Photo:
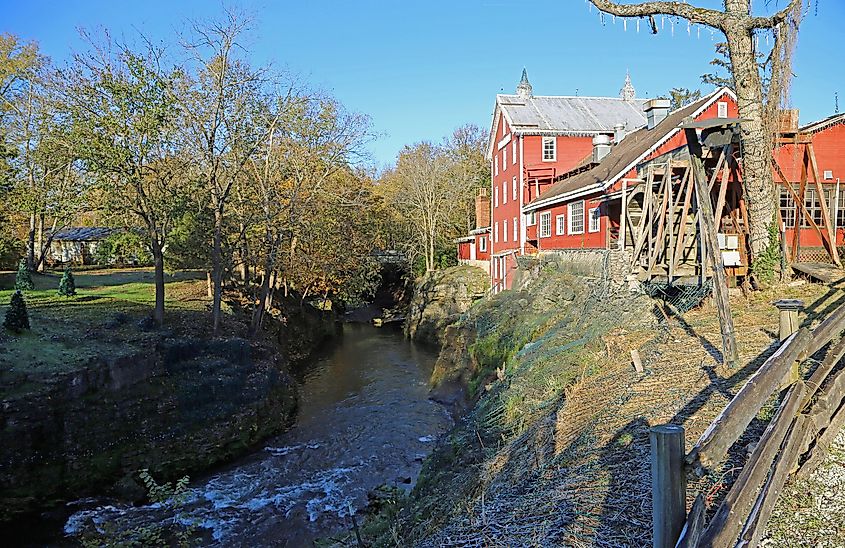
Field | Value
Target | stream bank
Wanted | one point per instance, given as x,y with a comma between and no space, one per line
171,400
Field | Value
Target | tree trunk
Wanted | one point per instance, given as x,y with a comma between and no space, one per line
39,264
30,244
158,263
217,270
209,284
263,295
756,142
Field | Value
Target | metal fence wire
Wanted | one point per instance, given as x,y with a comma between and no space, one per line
682,298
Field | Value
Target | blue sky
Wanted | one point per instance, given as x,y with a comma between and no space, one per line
421,69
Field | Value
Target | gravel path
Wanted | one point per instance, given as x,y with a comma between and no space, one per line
811,512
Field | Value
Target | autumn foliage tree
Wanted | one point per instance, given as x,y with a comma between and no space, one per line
740,27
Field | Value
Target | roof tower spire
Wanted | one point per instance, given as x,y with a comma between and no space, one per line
524,89
628,93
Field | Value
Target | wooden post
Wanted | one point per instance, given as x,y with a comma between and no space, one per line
668,484
711,247
623,228
789,309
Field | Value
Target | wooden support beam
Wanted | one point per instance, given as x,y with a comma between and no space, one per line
686,184
645,220
800,207
658,243
711,247
694,527
670,250
624,214
723,187
810,156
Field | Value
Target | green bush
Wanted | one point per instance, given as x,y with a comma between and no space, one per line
17,318
23,279
67,285
124,249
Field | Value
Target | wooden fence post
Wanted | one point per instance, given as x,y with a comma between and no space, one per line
668,484
789,309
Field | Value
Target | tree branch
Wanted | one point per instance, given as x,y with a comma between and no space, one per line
776,19
702,16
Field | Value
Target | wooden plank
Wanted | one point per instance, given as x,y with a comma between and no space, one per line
817,455
682,229
755,527
723,187
824,272
658,244
834,354
734,510
694,527
735,418
720,285
637,361
830,327
823,408
831,236
645,219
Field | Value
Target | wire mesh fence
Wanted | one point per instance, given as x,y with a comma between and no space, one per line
682,298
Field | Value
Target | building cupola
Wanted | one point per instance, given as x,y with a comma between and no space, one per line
628,93
524,89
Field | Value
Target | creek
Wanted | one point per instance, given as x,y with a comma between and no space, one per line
364,420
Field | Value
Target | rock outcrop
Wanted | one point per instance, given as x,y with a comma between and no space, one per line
440,300
184,405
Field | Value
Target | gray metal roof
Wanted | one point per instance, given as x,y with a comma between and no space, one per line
571,115
85,233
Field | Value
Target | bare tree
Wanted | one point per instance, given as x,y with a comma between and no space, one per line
218,102
737,22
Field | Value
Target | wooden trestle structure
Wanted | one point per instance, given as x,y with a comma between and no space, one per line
660,222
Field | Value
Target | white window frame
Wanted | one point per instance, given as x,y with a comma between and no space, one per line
531,218
553,157
504,158
504,230
496,165
515,230
572,209
504,192
545,230
560,225
496,196
828,175
514,188
595,220
722,109
513,152
482,244
496,231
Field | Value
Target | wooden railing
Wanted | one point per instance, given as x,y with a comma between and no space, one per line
795,442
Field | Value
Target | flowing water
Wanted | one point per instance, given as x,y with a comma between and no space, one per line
364,420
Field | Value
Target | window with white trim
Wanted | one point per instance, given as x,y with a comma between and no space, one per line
496,196
549,149
532,218
504,230
576,217
496,231
595,220
545,224
514,188
722,108
482,243
504,158
496,165
515,230
560,225
513,151
504,192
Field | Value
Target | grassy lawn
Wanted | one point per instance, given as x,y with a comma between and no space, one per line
101,320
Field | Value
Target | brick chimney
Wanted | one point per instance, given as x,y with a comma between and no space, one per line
482,209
